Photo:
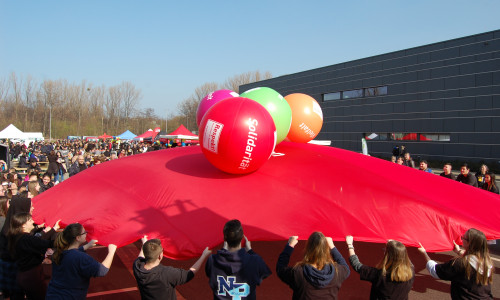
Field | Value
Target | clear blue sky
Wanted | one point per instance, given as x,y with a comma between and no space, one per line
168,48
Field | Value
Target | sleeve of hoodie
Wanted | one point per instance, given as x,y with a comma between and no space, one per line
263,269
208,271
177,276
337,257
448,270
365,272
285,273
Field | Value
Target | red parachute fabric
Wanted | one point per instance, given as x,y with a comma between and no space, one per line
176,195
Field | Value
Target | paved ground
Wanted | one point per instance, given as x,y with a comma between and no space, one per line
120,283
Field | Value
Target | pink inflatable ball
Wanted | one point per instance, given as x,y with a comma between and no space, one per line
237,135
307,118
209,100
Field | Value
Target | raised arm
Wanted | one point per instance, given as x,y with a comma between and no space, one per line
337,257
109,258
353,258
431,264
457,250
284,272
197,265
143,240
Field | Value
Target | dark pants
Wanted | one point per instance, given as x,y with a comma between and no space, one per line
32,282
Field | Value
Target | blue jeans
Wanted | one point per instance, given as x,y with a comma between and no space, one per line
59,176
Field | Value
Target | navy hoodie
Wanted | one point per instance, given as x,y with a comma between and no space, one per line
235,274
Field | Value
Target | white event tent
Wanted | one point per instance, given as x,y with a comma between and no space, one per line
12,132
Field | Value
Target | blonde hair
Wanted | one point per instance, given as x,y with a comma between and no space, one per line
478,246
32,188
396,262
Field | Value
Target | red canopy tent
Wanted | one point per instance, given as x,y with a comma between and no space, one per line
105,136
150,134
181,133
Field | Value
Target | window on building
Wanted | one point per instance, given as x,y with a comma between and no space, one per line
352,94
375,91
404,136
440,137
376,136
331,96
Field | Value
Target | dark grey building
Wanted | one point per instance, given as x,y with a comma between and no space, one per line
442,101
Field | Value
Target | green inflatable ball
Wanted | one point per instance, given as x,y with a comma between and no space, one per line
277,107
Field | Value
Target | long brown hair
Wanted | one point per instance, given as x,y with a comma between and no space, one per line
492,181
317,252
478,246
64,239
396,262
4,201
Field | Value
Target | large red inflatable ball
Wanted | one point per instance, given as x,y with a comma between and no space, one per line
276,105
209,100
237,135
307,118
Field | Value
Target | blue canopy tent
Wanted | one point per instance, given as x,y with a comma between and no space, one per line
127,135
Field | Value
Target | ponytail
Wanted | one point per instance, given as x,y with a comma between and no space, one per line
64,239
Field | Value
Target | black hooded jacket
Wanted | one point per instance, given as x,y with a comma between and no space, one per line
235,272
160,281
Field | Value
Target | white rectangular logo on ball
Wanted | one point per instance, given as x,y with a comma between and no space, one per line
211,136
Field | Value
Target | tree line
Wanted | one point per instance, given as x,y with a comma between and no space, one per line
58,108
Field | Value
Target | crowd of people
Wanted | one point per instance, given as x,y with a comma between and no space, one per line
63,158
234,272
483,179
24,246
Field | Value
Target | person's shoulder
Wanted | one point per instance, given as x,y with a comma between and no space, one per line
455,265
139,263
254,258
169,269
78,256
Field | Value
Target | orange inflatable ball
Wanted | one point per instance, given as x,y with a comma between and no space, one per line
307,118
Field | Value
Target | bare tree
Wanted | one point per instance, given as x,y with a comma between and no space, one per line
205,89
29,95
113,104
189,106
96,103
188,109
4,101
85,109
16,87
49,95
131,97
233,83
4,89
